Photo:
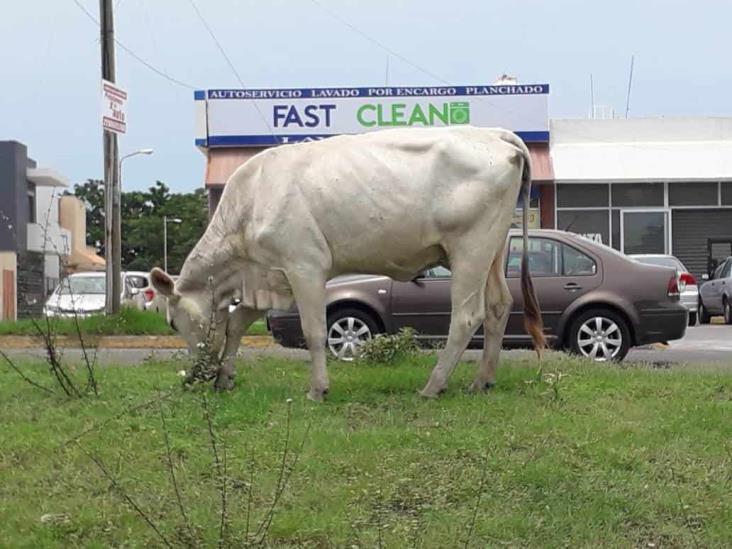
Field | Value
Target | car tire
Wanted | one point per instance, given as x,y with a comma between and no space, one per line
703,314
727,307
692,319
347,330
599,334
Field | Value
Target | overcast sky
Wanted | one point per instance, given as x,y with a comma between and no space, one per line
49,62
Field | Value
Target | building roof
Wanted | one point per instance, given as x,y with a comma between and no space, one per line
642,149
45,177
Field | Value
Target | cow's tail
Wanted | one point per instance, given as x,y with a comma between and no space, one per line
533,323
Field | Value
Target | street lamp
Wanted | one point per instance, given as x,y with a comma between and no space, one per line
113,236
165,238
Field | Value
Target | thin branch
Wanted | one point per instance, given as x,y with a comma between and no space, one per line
100,464
217,463
91,378
222,525
106,422
171,469
249,493
21,374
285,474
270,512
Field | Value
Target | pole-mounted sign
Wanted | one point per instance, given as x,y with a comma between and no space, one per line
114,100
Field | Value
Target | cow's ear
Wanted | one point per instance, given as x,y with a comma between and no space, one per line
162,282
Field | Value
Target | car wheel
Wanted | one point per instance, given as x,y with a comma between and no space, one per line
704,317
600,334
727,311
692,319
348,329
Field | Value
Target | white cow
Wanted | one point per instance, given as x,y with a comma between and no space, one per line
393,202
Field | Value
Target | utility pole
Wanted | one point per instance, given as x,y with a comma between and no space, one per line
112,195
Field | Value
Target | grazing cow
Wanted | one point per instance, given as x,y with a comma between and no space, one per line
392,202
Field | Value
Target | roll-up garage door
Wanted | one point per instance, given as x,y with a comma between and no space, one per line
690,231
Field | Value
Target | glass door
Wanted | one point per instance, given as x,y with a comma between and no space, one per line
644,231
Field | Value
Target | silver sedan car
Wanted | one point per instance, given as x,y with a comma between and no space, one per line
687,283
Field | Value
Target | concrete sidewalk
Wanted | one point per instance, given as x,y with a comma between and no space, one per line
120,342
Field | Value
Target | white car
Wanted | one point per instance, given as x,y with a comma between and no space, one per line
85,293
687,283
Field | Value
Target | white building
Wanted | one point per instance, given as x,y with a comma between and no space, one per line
647,185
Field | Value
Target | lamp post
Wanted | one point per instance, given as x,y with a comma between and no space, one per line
165,238
113,245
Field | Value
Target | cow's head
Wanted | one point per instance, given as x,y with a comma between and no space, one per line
193,313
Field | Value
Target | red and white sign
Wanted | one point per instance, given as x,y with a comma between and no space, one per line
114,100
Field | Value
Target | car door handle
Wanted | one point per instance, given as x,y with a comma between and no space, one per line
572,286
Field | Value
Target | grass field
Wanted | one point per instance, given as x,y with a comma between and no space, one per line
129,321
606,456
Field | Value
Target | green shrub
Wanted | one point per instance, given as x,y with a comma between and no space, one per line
389,348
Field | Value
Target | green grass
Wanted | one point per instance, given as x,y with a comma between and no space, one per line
614,457
129,321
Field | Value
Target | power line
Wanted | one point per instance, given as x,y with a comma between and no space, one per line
228,61
218,44
132,54
381,45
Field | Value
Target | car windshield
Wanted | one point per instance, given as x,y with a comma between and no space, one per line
80,285
662,261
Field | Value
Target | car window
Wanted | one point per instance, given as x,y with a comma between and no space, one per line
576,263
719,269
545,257
81,285
438,272
136,281
727,268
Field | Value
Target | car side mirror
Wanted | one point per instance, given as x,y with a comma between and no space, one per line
134,291
705,276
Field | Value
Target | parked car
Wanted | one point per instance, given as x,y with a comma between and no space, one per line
715,295
138,288
85,293
595,302
687,283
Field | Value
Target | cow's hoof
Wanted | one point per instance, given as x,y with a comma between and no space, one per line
224,384
317,395
480,386
431,392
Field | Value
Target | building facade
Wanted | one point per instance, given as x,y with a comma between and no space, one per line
647,185
35,242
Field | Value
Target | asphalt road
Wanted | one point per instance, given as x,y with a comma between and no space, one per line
702,345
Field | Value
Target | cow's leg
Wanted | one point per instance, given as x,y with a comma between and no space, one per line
469,274
239,320
498,302
309,292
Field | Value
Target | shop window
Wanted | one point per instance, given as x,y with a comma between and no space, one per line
582,195
592,224
637,194
692,194
544,257
616,229
726,193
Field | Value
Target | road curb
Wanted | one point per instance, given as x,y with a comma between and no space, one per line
120,342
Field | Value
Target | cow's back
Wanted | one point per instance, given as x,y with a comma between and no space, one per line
390,198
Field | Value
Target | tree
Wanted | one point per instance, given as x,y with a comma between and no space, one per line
92,194
142,223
